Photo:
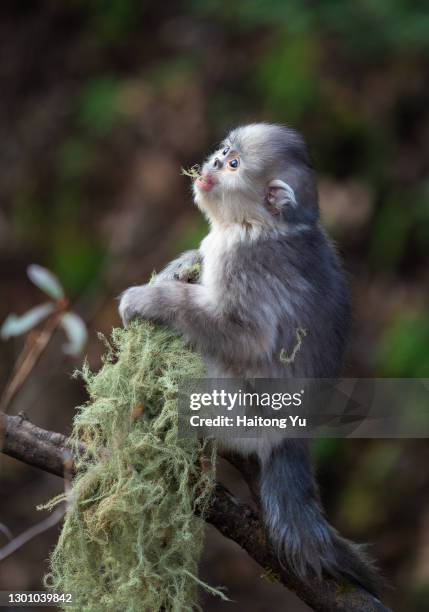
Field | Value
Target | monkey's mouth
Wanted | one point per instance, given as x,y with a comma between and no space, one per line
205,182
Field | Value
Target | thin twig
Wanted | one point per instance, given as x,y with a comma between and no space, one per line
34,346
6,531
32,532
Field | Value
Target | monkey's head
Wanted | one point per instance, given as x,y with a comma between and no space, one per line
260,175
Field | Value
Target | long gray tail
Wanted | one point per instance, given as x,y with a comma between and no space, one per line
297,526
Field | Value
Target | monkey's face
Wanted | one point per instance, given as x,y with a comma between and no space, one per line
231,185
243,181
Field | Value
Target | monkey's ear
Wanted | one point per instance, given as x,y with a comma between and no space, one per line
279,194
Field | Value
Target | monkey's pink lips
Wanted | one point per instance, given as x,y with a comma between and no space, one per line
205,182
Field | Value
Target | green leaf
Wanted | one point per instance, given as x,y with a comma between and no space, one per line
46,281
16,326
76,332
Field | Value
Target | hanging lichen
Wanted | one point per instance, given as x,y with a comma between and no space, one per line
131,540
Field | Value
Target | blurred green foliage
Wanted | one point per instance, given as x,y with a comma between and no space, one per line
404,347
77,259
286,76
113,20
168,72
74,159
390,233
364,25
99,105
360,503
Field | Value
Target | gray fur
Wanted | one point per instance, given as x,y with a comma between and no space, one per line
267,269
179,268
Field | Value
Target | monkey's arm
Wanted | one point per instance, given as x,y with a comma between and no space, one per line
183,268
190,310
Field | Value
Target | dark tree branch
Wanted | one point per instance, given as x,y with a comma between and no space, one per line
21,439
236,520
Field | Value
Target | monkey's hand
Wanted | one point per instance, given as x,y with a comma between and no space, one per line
143,301
137,302
185,268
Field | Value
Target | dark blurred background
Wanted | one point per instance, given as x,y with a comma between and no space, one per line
103,102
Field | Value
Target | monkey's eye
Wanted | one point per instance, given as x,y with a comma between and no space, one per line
225,151
234,163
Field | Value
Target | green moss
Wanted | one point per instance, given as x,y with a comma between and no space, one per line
193,172
131,540
193,273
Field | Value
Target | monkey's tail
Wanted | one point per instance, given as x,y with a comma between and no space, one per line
297,526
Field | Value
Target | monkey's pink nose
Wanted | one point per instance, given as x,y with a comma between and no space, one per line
205,182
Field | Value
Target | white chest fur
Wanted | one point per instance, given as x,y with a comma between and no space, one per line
215,247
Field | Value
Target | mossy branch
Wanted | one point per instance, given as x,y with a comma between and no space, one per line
50,451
